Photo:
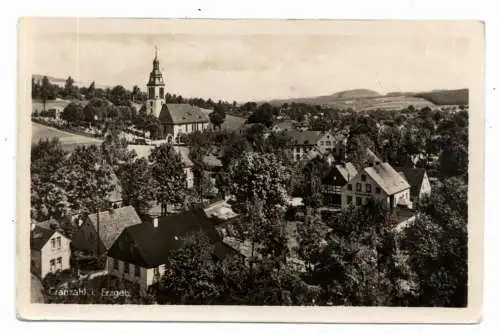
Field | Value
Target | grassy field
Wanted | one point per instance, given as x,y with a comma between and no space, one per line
68,140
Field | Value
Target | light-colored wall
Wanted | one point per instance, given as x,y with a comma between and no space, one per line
155,109
382,196
145,278
176,129
188,171
47,254
425,189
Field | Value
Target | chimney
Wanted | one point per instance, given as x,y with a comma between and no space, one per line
155,222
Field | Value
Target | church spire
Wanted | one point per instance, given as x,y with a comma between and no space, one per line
156,62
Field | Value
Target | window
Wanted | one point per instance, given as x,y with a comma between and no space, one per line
358,186
116,264
59,263
52,266
368,188
151,104
53,242
377,190
161,92
349,199
137,271
187,128
359,201
328,143
126,267
156,272
322,143
58,242
349,187
363,177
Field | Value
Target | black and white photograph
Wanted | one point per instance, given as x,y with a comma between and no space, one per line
244,163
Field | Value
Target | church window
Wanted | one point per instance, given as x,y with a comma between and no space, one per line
162,92
151,92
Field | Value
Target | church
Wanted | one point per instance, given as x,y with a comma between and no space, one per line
176,118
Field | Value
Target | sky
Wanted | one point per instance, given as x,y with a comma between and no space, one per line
256,65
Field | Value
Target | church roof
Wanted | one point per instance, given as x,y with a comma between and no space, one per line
182,113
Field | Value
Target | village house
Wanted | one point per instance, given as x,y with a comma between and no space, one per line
379,181
111,223
334,181
284,126
141,251
308,144
49,248
419,182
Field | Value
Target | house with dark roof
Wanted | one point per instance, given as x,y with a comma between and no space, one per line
418,180
98,232
49,249
309,144
182,118
379,181
141,252
334,181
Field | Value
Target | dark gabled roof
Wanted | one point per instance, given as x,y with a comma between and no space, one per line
39,237
180,113
113,222
415,177
305,137
387,178
148,246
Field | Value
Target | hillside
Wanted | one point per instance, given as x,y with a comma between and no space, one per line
61,81
446,97
328,99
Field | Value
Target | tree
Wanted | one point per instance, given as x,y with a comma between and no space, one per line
259,177
189,276
309,239
217,116
137,184
437,246
136,94
168,175
356,267
91,92
70,90
119,96
264,114
47,91
73,113
311,188
114,147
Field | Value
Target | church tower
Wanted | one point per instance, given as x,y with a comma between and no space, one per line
156,89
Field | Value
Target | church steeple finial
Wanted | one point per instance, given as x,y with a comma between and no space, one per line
156,52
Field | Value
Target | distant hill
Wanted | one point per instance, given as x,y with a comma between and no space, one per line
446,97
61,81
365,99
327,99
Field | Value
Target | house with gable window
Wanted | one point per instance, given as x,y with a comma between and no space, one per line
335,180
98,232
308,144
379,181
49,249
141,252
